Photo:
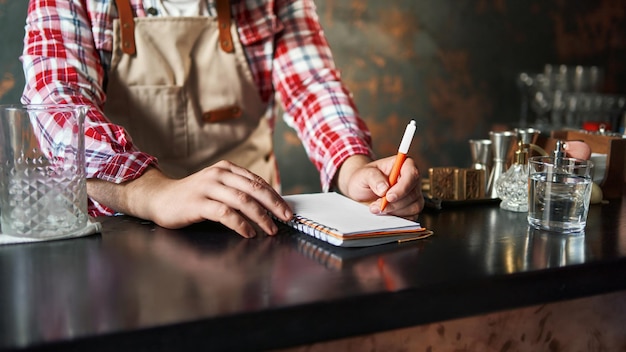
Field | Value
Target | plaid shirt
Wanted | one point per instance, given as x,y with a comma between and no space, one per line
67,51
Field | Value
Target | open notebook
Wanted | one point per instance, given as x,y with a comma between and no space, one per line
343,222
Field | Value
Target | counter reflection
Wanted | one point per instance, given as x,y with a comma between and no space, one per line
138,275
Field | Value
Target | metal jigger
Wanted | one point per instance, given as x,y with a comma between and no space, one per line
480,150
500,145
527,135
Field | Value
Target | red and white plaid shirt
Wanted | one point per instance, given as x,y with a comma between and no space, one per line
67,51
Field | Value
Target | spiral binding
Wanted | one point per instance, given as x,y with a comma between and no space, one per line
311,227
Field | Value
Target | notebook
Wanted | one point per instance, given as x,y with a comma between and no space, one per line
341,221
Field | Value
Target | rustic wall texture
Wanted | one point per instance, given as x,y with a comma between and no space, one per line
449,64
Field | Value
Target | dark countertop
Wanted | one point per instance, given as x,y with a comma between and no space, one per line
137,286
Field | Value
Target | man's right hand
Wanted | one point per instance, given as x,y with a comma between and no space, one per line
223,192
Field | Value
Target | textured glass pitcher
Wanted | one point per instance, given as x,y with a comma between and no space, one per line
42,165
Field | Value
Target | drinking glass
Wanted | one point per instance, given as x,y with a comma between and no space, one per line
42,170
559,193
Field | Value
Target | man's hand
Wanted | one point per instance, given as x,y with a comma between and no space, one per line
368,181
223,192
578,149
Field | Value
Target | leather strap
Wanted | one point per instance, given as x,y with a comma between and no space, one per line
127,25
220,115
223,21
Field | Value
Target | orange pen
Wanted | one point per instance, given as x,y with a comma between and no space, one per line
402,152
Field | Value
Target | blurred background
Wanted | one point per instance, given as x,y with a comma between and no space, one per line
453,66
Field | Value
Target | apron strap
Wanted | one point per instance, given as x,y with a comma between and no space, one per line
127,25
223,19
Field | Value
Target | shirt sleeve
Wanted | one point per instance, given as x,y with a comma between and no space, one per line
316,102
62,65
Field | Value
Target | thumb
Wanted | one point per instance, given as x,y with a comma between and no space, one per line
380,185
368,182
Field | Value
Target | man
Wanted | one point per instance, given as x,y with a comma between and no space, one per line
193,82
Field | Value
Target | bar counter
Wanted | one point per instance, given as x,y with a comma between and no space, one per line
137,286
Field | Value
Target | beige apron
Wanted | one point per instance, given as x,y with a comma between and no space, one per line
182,88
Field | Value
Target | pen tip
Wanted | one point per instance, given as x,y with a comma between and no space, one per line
412,122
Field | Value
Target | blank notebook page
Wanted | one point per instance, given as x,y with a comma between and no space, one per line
345,215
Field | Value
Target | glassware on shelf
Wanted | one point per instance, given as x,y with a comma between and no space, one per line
567,97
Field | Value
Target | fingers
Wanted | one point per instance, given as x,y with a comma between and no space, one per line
409,206
260,190
578,149
240,200
377,182
224,193
407,181
405,197
370,182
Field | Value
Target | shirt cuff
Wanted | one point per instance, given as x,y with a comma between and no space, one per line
122,167
117,169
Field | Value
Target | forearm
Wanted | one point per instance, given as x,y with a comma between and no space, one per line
223,192
316,102
61,61
131,197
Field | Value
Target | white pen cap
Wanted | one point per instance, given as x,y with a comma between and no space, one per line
407,138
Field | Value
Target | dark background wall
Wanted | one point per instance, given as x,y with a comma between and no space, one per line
449,64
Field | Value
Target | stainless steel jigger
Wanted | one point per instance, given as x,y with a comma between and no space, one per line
480,150
500,145
527,135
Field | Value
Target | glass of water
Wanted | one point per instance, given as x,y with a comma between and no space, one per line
559,193
42,170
